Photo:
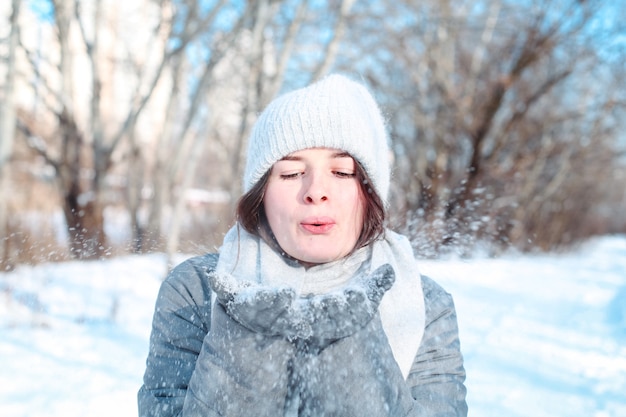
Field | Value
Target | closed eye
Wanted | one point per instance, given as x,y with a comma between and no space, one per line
344,174
291,176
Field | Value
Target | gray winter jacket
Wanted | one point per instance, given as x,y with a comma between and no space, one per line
182,320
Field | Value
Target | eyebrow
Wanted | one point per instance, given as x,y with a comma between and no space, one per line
338,154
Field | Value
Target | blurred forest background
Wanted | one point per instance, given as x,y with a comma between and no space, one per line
124,123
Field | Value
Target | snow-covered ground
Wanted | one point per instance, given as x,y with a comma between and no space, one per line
542,335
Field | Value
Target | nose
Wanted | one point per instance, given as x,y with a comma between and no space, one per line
315,189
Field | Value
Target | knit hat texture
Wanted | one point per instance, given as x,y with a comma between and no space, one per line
334,112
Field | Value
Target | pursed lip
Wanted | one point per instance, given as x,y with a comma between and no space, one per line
317,225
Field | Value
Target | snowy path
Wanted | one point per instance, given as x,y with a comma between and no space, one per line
541,335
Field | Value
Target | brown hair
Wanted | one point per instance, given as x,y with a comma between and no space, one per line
251,214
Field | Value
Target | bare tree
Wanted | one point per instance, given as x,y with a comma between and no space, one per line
176,143
7,131
248,62
87,149
480,107
495,131
191,51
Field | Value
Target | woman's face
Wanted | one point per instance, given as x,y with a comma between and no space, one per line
314,205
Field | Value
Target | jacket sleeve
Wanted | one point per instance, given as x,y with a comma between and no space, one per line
181,320
437,375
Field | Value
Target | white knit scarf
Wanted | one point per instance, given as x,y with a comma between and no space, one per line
249,258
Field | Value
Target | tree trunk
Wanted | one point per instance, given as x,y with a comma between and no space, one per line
86,227
7,135
82,202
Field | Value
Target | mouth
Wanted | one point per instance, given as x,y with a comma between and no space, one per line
317,225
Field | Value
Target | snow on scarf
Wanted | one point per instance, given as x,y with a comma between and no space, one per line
271,294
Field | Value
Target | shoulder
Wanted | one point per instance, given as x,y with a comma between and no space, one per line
432,289
437,301
188,271
196,265
188,283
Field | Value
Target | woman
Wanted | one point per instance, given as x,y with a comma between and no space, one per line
311,307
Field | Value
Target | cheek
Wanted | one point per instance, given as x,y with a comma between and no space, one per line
271,205
268,202
357,212
360,216
278,209
273,197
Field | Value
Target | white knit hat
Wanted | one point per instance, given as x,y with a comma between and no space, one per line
334,112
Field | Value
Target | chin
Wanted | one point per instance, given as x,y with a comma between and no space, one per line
320,259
